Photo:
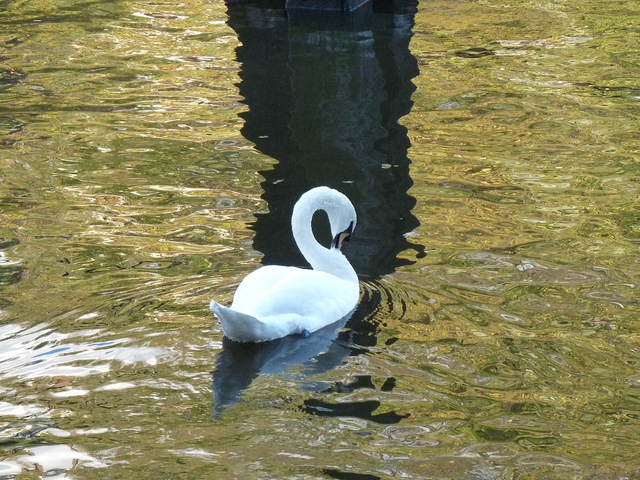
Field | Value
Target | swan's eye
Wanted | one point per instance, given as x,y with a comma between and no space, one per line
349,230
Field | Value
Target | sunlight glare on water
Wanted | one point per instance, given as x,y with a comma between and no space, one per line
150,155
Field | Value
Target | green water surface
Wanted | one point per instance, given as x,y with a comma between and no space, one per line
509,350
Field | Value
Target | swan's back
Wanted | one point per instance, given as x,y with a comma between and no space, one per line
275,290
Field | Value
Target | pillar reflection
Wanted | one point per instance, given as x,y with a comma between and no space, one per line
325,94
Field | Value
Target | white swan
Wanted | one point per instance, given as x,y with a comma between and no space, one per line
275,301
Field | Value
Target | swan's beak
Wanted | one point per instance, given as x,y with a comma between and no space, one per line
343,237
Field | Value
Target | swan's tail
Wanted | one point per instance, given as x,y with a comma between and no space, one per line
241,327
235,325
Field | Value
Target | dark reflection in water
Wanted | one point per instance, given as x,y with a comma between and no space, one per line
238,364
362,410
325,95
333,473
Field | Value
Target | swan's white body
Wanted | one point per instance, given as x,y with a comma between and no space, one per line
274,301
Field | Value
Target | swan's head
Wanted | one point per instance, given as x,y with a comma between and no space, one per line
342,218
341,213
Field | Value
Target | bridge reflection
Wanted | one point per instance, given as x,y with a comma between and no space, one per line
325,94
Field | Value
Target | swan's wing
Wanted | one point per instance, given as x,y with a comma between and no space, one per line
258,282
316,297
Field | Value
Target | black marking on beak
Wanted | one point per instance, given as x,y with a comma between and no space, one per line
343,237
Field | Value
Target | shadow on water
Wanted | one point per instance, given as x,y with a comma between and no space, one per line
240,363
296,357
325,96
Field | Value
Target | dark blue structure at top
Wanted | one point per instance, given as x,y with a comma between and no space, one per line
326,5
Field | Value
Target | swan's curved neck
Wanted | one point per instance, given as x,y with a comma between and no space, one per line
338,208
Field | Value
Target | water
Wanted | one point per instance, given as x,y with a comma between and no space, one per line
150,155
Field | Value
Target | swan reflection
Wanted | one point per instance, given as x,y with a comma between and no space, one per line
295,356
301,358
